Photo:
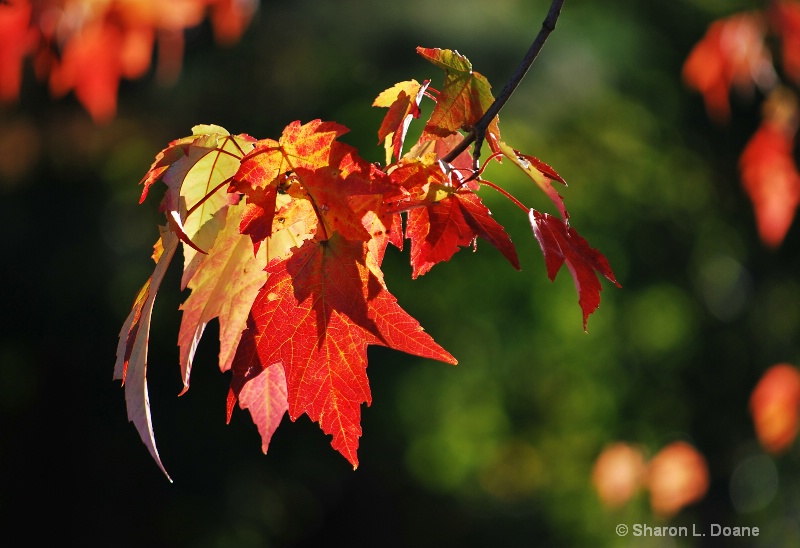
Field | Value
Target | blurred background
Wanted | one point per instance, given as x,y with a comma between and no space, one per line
498,451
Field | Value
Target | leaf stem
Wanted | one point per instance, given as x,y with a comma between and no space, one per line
478,132
507,194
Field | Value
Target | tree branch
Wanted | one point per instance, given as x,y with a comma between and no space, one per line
478,132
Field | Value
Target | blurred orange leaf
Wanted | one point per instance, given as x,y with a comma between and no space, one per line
618,473
677,476
774,406
88,46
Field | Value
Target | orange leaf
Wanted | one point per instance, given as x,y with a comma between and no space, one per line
774,406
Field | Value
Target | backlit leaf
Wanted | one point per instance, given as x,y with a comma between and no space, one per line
402,100
316,315
131,364
561,245
464,98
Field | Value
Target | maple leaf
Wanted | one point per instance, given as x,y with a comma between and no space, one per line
227,282
197,171
464,98
316,315
562,244
440,229
403,100
131,363
341,186
442,217
265,397
768,170
731,54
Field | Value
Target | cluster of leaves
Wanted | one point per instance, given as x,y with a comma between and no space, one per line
88,46
750,50
677,475
283,242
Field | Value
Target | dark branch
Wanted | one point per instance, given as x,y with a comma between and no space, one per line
478,131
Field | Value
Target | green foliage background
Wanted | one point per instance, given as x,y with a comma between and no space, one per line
494,452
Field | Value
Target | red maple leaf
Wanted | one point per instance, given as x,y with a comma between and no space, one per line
443,227
341,186
562,244
316,315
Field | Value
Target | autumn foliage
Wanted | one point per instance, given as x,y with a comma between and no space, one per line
675,477
283,241
742,53
88,47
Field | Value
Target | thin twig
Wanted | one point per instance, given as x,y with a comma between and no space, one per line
478,131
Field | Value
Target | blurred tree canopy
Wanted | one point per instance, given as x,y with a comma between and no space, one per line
498,451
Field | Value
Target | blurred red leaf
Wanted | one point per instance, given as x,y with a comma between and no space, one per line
677,477
774,406
768,170
16,41
784,18
731,54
